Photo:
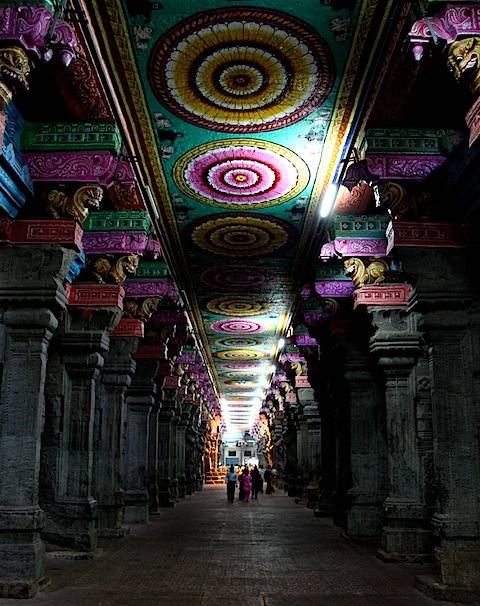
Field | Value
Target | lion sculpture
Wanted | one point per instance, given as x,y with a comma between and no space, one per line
14,73
109,269
463,60
373,273
63,207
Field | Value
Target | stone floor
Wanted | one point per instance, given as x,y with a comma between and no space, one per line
207,552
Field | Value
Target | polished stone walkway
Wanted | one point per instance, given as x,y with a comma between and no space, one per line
207,552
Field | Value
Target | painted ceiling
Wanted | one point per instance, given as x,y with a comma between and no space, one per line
247,110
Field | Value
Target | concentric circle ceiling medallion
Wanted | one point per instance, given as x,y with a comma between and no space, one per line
240,341
240,366
241,70
238,326
241,234
238,306
238,277
239,354
241,172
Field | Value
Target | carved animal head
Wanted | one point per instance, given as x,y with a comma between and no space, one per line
354,269
127,265
89,196
14,68
463,57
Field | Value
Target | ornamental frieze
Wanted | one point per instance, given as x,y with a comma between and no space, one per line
334,288
403,166
31,26
147,288
410,141
75,136
359,226
95,243
113,221
455,20
38,231
95,295
344,247
428,234
151,269
99,167
388,295
128,327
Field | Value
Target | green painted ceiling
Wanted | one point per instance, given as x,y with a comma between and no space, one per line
244,112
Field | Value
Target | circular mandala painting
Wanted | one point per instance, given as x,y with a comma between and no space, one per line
241,234
239,354
243,342
237,326
239,277
238,306
241,70
241,172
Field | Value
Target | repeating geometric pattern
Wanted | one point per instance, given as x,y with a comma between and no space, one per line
244,172
241,70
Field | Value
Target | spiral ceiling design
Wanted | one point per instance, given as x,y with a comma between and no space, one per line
245,172
237,234
241,70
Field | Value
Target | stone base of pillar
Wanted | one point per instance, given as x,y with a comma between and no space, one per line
182,491
71,525
22,569
167,492
189,487
434,588
113,533
364,522
110,516
406,545
23,589
459,564
136,508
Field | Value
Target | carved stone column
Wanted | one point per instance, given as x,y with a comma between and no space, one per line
31,289
67,445
152,470
167,420
367,456
140,399
406,534
110,416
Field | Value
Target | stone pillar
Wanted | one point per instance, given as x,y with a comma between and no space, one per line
22,552
367,440
152,468
406,533
110,417
67,444
182,425
140,399
31,289
446,297
454,362
167,420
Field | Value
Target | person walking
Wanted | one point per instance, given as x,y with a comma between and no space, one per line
257,482
268,476
231,480
247,484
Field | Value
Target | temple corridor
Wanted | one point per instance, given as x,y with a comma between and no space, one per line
204,551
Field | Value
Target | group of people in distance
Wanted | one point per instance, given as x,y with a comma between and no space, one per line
249,482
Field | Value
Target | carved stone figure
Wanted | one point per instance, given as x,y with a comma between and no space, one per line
61,206
140,309
373,273
14,73
463,60
108,268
